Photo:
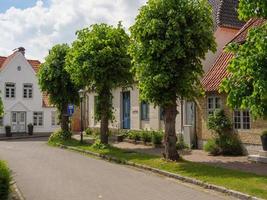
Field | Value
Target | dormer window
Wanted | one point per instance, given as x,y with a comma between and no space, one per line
27,91
10,90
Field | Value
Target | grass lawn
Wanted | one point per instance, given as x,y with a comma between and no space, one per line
248,183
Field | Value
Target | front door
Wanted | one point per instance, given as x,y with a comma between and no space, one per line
18,122
126,110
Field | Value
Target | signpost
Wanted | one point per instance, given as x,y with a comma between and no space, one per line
70,109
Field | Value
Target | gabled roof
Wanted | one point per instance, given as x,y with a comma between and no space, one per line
225,13
213,78
5,60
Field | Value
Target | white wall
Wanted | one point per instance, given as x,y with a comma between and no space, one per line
10,73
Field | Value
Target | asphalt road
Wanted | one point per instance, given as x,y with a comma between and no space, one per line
47,173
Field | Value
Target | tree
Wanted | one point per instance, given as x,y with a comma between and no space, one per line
99,61
247,85
169,39
55,81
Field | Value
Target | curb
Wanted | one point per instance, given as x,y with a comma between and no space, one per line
23,137
202,184
17,191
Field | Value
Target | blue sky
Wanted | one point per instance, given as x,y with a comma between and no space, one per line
6,4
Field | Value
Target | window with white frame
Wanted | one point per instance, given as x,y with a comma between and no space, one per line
10,90
54,119
242,119
144,110
214,102
27,91
38,119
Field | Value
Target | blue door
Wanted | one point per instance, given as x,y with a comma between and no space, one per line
126,110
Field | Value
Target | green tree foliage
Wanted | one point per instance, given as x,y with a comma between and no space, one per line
99,61
252,8
169,39
1,107
55,81
247,85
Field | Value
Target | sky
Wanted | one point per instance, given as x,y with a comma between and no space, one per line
37,25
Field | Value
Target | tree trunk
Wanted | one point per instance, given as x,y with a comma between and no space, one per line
104,129
105,108
170,138
64,118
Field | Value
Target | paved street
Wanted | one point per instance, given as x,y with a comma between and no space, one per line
46,173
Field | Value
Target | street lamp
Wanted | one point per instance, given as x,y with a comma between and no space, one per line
81,94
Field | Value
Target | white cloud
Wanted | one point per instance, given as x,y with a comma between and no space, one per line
38,28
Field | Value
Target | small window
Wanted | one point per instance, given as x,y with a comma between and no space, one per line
1,121
242,119
27,91
10,90
213,104
38,118
54,120
144,111
161,113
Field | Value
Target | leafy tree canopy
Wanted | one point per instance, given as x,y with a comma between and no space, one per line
247,85
252,8
169,39
55,80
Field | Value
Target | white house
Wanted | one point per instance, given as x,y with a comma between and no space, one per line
22,99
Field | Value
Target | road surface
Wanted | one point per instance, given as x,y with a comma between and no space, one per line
48,173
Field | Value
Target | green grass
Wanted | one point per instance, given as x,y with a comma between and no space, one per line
5,179
248,183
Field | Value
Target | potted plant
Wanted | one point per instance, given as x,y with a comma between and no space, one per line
264,140
30,129
8,131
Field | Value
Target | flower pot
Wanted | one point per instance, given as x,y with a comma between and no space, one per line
8,131
30,129
264,142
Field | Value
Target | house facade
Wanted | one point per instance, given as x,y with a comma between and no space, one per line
248,129
22,99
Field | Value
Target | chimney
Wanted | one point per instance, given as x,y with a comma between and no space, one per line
21,50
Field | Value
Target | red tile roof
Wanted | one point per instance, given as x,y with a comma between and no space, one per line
46,102
213,78
34,63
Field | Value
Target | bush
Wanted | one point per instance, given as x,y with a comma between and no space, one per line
98,145
180,145
146,136
230,145
5,179
89,131
157,137
212,147
60,135
134,135
219,123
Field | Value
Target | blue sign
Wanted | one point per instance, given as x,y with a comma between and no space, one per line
70,109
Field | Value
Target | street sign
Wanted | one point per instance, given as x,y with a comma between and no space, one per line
70,109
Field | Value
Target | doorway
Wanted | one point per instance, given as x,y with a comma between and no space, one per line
18,122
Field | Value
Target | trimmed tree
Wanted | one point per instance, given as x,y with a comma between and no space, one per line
98,60
169,40
247,85
55,81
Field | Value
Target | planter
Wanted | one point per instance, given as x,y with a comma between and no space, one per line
264,142
120,138
30,129
8,131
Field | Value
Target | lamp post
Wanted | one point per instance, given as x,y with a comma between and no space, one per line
81,94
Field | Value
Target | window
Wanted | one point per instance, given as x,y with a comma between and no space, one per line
161,113
10,90
54,119
27,91
241,119
213,104
1,121
38,118
144,111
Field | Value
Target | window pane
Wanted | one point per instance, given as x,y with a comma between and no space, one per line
237,119
144,111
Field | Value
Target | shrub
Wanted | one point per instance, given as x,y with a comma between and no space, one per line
230,145
89,131
98,145
134,135
212,147
264,133
180,145
60,135
157,137
146,136
219,123
5,179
